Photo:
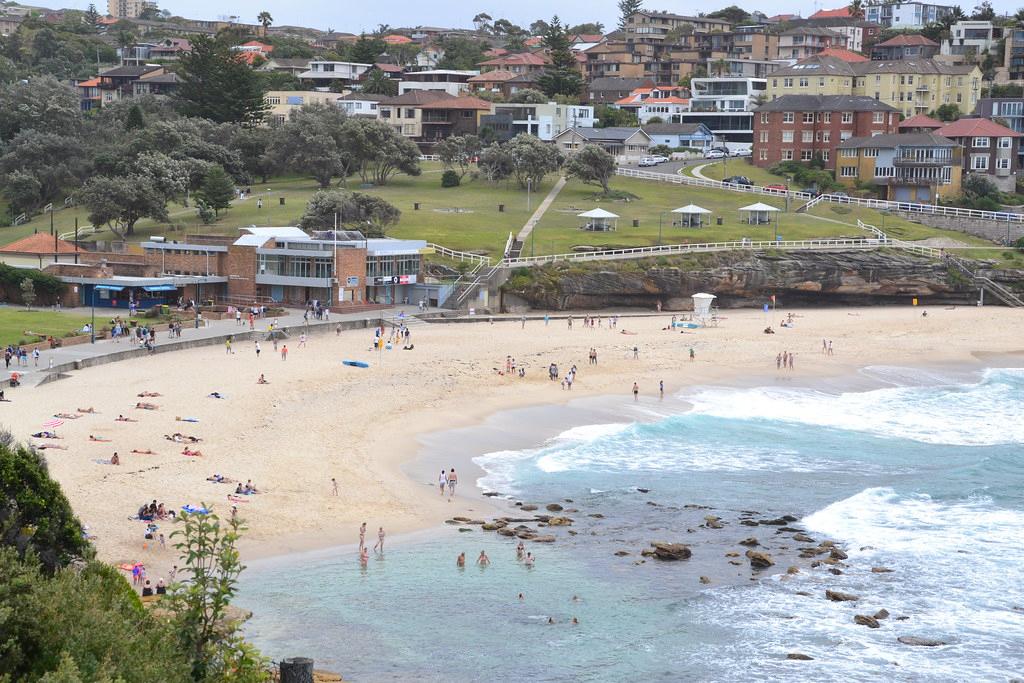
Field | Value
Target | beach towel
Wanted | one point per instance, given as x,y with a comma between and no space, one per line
195,510
187,419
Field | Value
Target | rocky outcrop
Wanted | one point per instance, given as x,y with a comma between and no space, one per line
747,278
671,551
865,620
920,642
840,597
759,560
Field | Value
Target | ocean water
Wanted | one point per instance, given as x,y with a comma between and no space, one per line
923,475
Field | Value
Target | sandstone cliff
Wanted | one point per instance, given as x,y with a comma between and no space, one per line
746,279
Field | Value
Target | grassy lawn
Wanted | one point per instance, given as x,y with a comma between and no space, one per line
741,166
16,322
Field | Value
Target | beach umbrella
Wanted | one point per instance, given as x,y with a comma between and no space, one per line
54,422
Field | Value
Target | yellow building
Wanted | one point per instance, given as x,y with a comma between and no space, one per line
913,86
281,103
908,167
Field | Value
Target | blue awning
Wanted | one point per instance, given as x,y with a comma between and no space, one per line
161,288
108,288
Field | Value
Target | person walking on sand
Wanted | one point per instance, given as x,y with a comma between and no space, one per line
829,347
661,388
636,392
778,361
442,481
636,353
692,354
362,535
257,350
284,352
453,479
791,357
824,346
227,346
380,540
334,486
302,340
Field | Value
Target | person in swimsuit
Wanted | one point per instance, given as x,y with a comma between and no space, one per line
114,460
520,551
364,557
453,479
636,392
380,540
529,559
362,535
483,560
122,418
461,560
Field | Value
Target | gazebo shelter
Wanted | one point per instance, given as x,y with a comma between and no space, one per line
690,216
758,214
599,220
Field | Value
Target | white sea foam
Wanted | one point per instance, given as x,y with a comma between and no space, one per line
592,432
986,413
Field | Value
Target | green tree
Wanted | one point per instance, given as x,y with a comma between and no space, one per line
628,8
984,12
218,189
43,103
561,77
611,117
312,142
496,162
947,112
856,9
482,22
279,80
209,550
91,17
538,28
525,158
460,53
215,84
376,82
458,152
377,151
28,292
354,210
528,96
588,28
135,118
120,202
732,14
516,42
56,161
22,191
265,20
592,165
367,49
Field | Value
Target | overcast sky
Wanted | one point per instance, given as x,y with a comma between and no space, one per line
355,17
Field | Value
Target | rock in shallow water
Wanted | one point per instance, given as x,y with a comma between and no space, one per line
749,541
920,642
865,620
800,656
882,614
837,596
671,551
759,560
553,507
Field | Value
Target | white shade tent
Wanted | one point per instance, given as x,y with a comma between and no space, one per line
598,219
758,213
687,214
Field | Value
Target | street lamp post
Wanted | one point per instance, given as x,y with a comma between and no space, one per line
529,189
661,217
92,327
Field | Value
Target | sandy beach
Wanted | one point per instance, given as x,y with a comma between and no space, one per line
318,419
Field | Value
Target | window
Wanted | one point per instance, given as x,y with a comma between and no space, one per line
787,117
871,152
826,136
803,82
807,136
764,117
979,162
848,153
845,135
808,117
828,117
910,80
878,117
980,142
806,155
1003,164
824,155
848,171
787,136
885,172
763,155
821,82
787,82
764,136
273,100
847,117
787,155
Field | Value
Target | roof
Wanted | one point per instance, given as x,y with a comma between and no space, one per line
760,206
907,39
824,103
257,237
612,133
979,127
255,43
395,39
921,121
135,71
690,208
830,13
38,243
290,62
818,65
587,38
162,78
418,97
363,97
843,54
466,102
898,140
388,68
493,76
673,128
526,58
597,213
809,31
91,83
617,83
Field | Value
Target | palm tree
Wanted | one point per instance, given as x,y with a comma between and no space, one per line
856,9
265,19
382,30
377,82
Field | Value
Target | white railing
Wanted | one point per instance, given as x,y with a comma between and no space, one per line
457,255
909,207
430,157
20,219
508,245
87,230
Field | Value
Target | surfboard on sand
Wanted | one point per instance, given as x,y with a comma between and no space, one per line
355,363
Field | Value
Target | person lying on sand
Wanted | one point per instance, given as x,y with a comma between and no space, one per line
215,394
143,452
46,435
178,418
100,439
47,446
67,416
220,479
122,418
197,454
90,410
149,394
178,437
146,406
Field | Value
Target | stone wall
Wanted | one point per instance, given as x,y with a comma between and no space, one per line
991,230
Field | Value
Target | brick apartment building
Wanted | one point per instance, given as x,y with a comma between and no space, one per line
802,127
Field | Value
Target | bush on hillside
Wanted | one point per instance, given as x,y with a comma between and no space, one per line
450,179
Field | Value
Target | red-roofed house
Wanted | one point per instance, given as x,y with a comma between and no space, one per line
89,95
649,103
989,149
395,39
253,51
842,12
38,250
443,118
920,123
905,46
518,63
847,56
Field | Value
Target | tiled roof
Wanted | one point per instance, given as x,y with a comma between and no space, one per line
38,243
612,133
842,53
907,39
818,65
965,128
825,103
363,97
901,139
672,128
921,121
388,68
809,31
415,97
527,58
493,77
91,83
395,39
830,13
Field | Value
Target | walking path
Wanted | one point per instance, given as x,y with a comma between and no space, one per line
697,171
64,358
539,213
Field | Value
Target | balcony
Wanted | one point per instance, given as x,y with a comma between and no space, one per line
922,161
921,87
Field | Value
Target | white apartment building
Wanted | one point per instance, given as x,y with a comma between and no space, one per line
914,15
854,36
453,82
970,39
544,121
323,73
725,106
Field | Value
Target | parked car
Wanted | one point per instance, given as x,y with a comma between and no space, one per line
715,154
738,180
648,161
842,197
743,152
659,159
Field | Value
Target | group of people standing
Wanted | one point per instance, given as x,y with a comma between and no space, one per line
448,480
784,360
378,547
